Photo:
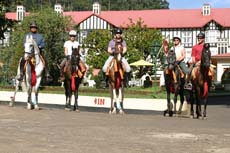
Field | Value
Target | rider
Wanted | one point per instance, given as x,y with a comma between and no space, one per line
41,45
68,45
197,52
180,56
111,49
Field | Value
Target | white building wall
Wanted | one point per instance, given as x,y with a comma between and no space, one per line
221,64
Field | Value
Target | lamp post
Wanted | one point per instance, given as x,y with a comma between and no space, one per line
155,48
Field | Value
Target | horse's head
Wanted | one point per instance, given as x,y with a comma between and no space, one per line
171,58
206,56
75,58
118,51
28,48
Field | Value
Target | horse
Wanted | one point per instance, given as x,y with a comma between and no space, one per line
33,69
73,78
116,81
174,83
201,83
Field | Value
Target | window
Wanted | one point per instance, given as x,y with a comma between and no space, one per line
222,48
187,38
211,36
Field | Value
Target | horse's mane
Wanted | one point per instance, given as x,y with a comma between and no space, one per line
206,56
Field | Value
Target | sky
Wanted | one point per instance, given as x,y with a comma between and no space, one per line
190,4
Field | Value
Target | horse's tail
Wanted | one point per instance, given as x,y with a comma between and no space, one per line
205,93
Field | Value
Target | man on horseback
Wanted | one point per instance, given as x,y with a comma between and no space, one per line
111,49
41,45
197,52
68,46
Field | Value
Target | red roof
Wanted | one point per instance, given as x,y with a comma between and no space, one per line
164,18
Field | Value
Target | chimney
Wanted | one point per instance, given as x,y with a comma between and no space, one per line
21,11
96,8
58,8
206,9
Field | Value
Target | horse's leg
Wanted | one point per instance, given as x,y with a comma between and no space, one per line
29,101
120,105
75,107
205,107
190,99
198,102
169,108
114,101
36,90
68,94
175,101
181,93
17,83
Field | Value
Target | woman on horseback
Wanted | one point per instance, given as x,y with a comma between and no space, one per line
111,49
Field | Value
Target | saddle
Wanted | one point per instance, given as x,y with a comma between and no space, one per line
114,64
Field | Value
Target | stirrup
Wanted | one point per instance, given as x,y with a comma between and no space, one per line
188,86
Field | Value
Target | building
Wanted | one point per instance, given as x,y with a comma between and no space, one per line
184,23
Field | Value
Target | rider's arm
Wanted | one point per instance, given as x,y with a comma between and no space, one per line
124,47
110,46
182,55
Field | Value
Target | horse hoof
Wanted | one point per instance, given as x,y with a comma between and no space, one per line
77,110
121,112
114,111
29,107
11,104
170,113
36,107
192,116
67,109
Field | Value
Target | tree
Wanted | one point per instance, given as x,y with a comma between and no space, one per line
138,37
52,26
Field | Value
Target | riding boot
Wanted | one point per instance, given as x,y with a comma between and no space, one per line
21,65
127,78
48,77
105,81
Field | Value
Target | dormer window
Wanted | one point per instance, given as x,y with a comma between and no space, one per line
20,12
96,8
206,9
58,8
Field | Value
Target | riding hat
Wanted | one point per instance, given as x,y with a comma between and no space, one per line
176,37
33,25
118,31
201,35
72,33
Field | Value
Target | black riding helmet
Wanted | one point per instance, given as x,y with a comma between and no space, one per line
33,25
118,31
201,35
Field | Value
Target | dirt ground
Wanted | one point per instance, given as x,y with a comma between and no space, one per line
54,130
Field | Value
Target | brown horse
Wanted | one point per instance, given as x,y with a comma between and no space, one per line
73,77
174,83
116,81
201,82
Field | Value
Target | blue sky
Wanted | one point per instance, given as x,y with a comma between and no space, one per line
189,4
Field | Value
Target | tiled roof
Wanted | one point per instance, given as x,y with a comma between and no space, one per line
164,18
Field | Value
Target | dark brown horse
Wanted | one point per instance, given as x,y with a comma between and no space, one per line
174,83
116,81
73,77
201,82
